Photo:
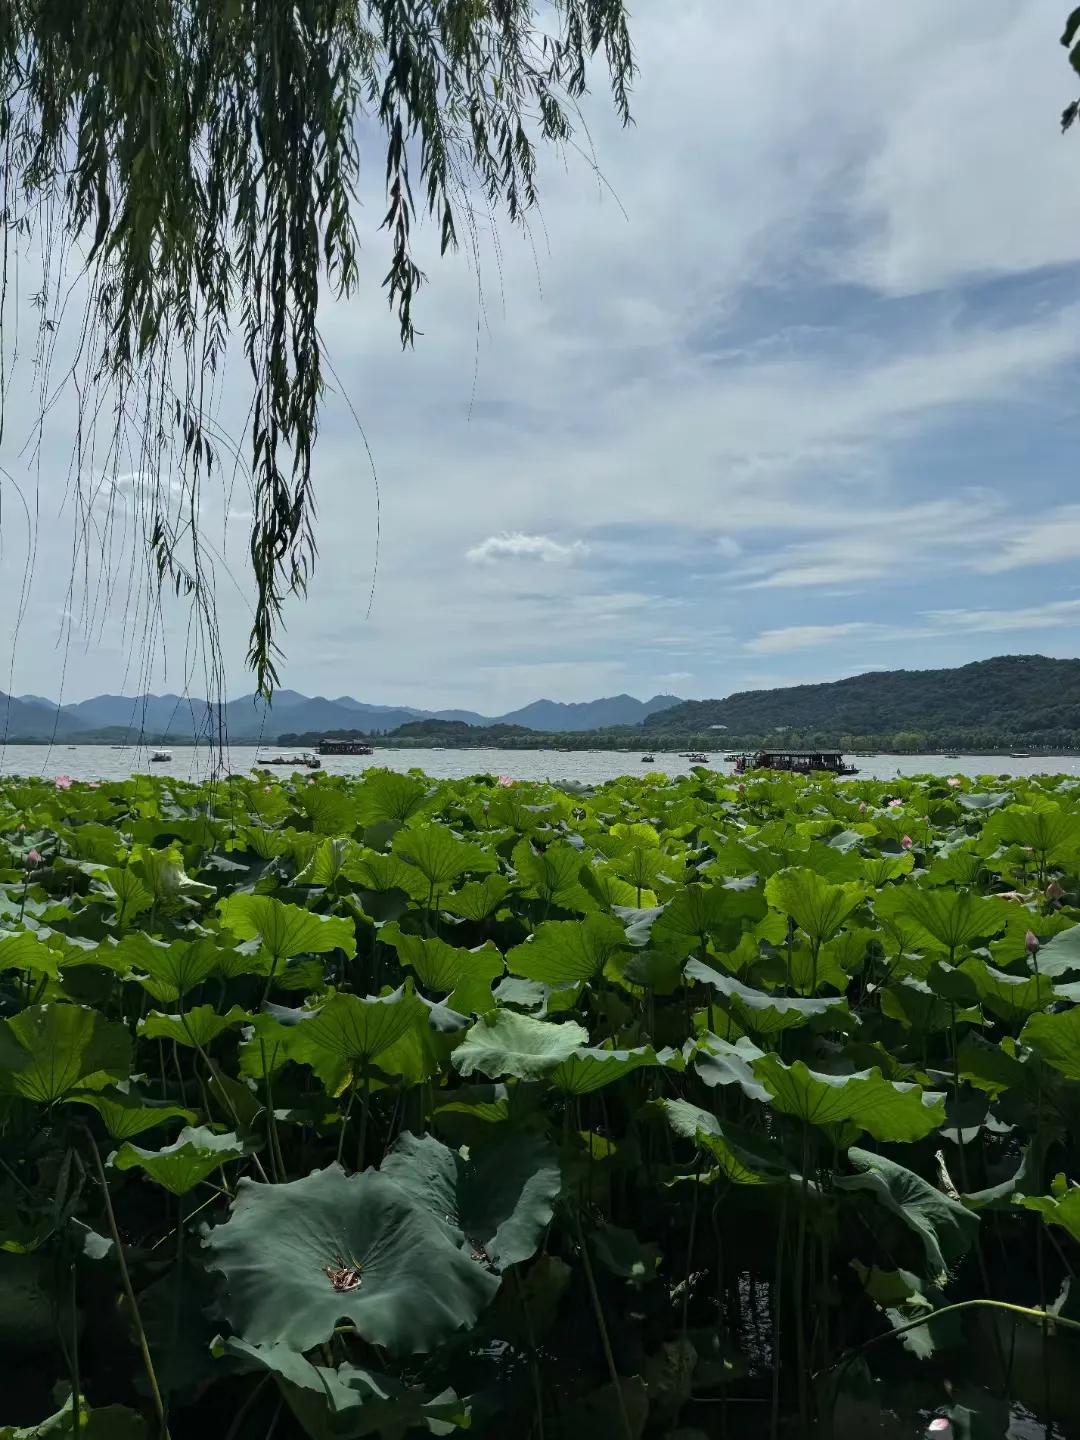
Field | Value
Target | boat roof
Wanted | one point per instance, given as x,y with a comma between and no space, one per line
799,752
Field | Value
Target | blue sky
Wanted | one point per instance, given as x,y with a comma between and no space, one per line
789,396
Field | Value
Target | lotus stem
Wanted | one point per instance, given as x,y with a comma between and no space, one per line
601,1325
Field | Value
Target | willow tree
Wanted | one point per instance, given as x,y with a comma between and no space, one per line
201,160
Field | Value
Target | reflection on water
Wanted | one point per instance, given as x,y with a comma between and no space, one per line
102,762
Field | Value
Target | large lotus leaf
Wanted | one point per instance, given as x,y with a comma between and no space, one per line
1045,828
345,1403
129,895
991,1067
465,976
610,890
552,875
759,1010
162,872
298,1258
196,1028
878,870
382,873
495,1201
949,920
355,1030
195,1153
478,899
1061,954
332,857
886,1109
168,971
818,907
1011,998
915,1005
946,1228
744,1159
1056,1039
724,1062
699,911
125,1113
440,856
285,930
505,1043
384,795
105,1422
565,951
330,810
46,1051
591,1069
28,951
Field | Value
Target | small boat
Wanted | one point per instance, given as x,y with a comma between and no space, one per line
648,759
696,758
305,761
161,757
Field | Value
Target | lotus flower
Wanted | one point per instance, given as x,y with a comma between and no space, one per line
505,780
895,804
862,807
907,842
63,782
1054,891
1031,942
953,780
34,857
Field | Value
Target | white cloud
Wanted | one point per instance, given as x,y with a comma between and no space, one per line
1000,622
793,638
1047,541
517,546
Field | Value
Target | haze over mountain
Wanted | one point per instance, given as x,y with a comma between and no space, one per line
177,717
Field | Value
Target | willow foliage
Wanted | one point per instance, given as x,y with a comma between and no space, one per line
202,158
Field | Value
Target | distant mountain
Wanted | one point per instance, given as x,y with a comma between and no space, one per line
553,715
1013,694
248,718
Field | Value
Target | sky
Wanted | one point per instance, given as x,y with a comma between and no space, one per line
782,388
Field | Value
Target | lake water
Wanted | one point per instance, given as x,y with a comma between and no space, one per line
102,762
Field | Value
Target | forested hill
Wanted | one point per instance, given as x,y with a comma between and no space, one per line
1017,695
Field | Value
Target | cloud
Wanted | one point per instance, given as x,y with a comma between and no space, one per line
517,546
999,622
793,638
1048,541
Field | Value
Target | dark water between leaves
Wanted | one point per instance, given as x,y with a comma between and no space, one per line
103,762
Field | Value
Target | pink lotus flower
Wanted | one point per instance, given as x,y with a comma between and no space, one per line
895,804
63,782
34,857
907,842
311,782
953,780
1054,891
268,788
1031,942
862,807
505,780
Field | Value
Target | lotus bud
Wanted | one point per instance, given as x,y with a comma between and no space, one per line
34,857
939,1429
1054,891
907,842
862,807
1031,942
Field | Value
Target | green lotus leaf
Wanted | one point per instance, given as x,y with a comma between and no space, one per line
817,907
373,871
163,874
991,1067
478,899
179,1167
1011,998
724,1062
759,1010
610,890
1061,1207
916,1006
168,970
878,870
949,920
104,1422
946,1228
1056,1039
28,951
1060,954
622,1254
697,912
196,1028
355,1031
744,1159
552,875
128,894
46,1051
285,931
591,1069
384,795
565,951
299,1257
1051,832
330,810
125,1113
332,857
886,1109
439,855
465,976
505,1043
496,1201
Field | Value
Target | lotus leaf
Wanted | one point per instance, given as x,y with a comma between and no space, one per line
195,1153
505,1043
285,930
47,1051
563,952
885,1109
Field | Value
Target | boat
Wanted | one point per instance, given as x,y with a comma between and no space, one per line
648,759
797,762
161,757
306,761
696,758
344,747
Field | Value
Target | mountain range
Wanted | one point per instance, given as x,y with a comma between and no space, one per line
181,718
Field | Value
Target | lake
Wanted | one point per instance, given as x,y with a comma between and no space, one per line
102,762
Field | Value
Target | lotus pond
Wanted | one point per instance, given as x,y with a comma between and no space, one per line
664,1108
